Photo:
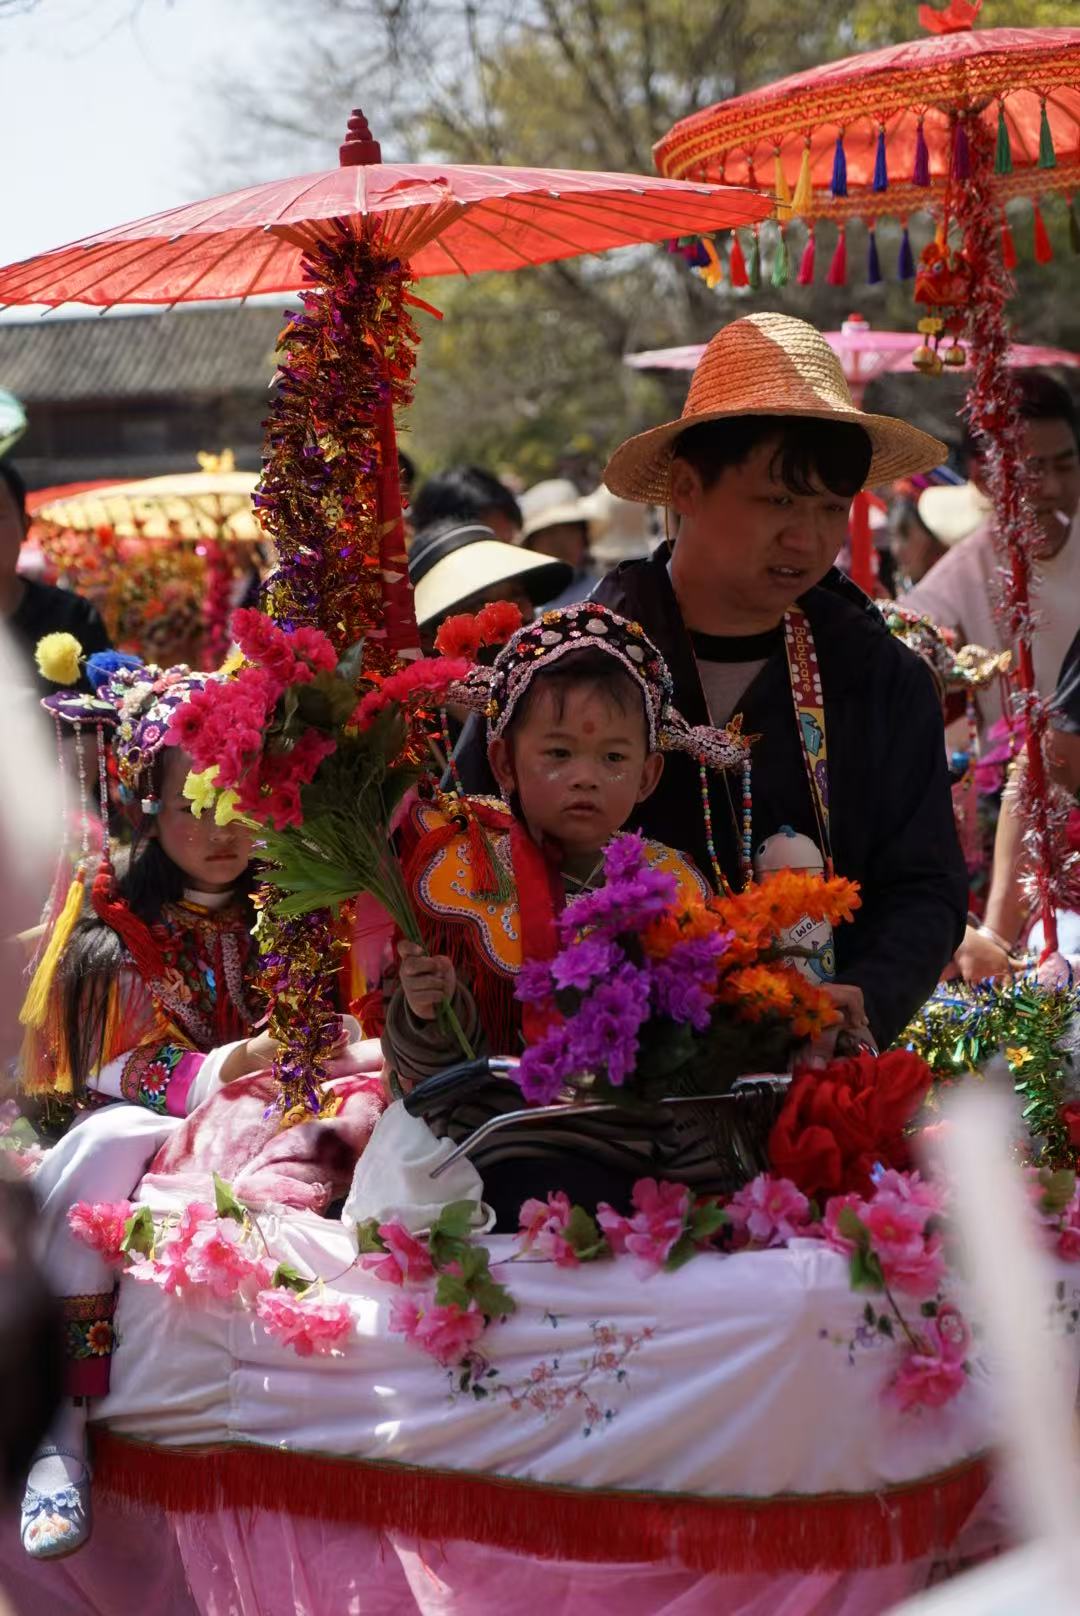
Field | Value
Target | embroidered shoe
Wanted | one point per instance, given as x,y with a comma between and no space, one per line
56,1524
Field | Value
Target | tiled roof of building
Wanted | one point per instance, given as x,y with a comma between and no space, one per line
182,351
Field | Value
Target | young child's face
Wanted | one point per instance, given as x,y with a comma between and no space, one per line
579,763
213,857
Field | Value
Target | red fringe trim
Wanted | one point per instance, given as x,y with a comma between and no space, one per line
829,1532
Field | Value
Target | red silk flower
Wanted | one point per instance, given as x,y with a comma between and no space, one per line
838,1123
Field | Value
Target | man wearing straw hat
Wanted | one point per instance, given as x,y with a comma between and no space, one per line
752,617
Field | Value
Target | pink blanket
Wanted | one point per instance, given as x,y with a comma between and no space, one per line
238,1133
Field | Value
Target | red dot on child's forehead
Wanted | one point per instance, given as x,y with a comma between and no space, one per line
588,726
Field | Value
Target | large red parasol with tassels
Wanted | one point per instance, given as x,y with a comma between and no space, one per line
351,239
956,124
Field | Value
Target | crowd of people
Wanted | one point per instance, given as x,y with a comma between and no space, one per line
692,663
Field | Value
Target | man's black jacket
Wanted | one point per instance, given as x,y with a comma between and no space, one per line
892,825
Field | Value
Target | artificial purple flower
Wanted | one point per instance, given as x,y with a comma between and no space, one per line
546,1066
604,1032
624,905
586,961
624,856
682,997
534,985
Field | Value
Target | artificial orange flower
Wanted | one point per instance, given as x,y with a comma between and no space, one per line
757,991
814,1011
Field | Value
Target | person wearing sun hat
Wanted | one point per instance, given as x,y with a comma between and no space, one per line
745,604
459,566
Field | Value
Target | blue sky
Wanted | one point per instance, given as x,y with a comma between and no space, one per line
105,109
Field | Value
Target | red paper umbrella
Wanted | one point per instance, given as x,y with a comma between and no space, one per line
441,220
351,239
889,132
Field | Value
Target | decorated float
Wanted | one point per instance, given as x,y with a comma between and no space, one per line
337,1387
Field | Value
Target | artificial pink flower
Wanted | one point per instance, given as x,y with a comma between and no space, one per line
406,1262
833,1208
912,1187
101,1226
310,1326
447,1333
543,1229
926,1380
216,1258
910,1261
770,1211
316,650
658,1224
949,1333
167,1269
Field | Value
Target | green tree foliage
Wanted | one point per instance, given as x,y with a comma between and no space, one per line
525,371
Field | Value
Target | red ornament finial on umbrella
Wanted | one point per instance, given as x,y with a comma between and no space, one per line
958,17
359,146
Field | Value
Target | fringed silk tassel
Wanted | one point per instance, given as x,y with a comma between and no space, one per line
783,191
920,174
1074,227
713,273
1044,252
694,252
803,200
1003,163
753,269
961,152
881,172
873,262
1047,154
737,263
36,1002
1008,245
781,264
905,258
837,271
838,184
805,277
115,911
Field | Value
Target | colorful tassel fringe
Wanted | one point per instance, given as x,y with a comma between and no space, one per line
805,277
881,172
920,174
1044,252
961,152
838,183
1008,245
783,191
837,271
713,272
803,200
36,1003
781,264
737,263
1047,155
873,262
1003,163
905,258
753,269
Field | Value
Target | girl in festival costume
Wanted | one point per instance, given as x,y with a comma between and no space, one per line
578,709
136,1013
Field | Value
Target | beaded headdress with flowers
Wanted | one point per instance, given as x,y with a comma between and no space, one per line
495,692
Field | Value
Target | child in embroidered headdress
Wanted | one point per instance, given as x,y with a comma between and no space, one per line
136,1012
579,714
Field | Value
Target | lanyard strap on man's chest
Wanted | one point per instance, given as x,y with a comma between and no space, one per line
805,679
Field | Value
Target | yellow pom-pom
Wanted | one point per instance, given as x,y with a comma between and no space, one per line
58,658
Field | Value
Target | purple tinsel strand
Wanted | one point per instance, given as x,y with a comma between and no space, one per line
920,174
905,261
961,153
873,262
881,173
838,185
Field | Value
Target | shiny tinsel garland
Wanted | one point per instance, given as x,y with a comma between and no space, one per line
329,499
992,408
961,1028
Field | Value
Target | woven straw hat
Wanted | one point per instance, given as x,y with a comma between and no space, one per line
768,364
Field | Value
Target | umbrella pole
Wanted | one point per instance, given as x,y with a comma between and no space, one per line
992,408
329,497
